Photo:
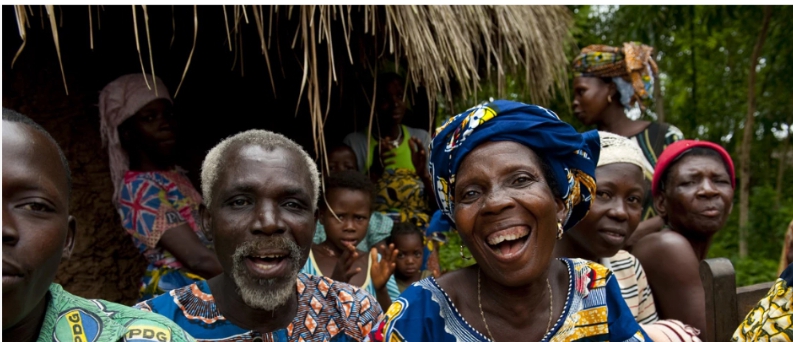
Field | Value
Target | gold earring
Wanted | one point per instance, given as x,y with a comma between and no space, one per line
609,98
559,230
462,255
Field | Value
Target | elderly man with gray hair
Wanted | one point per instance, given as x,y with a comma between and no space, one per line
260,191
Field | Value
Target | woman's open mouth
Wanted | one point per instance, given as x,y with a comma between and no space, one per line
509,243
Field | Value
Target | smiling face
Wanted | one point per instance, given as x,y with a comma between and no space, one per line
37,229
152,129
353,208
615,212
698,195
505,212
591,99
411,254
262,222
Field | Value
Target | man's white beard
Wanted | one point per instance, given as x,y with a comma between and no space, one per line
266,294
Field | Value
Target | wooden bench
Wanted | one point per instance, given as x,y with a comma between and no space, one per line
725,305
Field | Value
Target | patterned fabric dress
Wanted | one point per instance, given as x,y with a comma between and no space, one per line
311,267
327,311
150,204
593,311
653,140
72,318
772,318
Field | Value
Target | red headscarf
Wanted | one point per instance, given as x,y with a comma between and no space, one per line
676,149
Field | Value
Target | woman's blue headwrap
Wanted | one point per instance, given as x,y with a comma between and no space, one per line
572,156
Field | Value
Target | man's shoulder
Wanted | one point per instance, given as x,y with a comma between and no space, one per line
95,318
169,300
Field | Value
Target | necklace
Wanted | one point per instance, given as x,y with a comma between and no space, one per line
395,142
479,299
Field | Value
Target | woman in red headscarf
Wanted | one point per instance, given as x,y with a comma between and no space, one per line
692,190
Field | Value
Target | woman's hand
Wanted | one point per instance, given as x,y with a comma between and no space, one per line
344,270
419,158
383,269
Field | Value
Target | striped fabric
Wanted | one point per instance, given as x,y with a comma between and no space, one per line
633,285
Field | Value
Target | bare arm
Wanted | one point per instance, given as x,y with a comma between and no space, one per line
673,274
185,246
646,227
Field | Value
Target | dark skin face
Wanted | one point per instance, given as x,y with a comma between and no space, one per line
258,195
698,196
592,107
342,159
591,99
411,254
353,209
37,229
150,135
391,107
501,193
501,188
615,214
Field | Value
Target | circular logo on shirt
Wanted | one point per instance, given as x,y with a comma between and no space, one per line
77,325
144,330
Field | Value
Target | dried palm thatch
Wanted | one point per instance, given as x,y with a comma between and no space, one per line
442,47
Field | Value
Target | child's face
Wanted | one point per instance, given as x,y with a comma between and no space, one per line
342,159
411,254
353,207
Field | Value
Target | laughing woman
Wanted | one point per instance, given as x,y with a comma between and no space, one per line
511,178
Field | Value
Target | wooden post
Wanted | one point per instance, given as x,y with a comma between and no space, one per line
721,305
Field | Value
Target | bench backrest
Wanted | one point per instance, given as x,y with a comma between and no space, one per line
726,306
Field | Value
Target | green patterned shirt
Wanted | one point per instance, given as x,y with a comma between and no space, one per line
76,319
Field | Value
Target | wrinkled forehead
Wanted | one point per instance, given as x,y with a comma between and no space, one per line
252,165
692,163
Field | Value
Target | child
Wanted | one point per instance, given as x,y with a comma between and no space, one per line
341,158
349,194
409,241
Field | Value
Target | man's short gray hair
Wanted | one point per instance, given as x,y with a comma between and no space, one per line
266,139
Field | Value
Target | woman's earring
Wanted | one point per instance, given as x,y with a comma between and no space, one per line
609,98
462,255
559,230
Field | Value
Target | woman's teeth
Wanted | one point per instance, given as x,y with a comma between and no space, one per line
509,234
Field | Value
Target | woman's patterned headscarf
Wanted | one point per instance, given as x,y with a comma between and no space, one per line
631,67
572,156
119,101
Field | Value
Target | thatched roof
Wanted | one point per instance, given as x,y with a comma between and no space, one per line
444,50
